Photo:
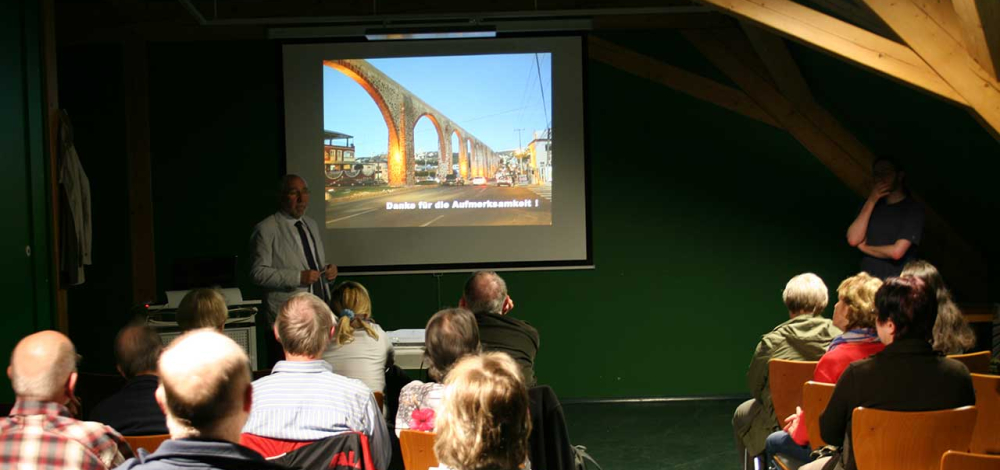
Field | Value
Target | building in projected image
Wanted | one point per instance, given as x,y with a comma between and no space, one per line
540,163
341,166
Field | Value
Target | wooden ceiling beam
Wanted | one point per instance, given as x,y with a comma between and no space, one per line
681,80
980,21
841,39
926,30
835,146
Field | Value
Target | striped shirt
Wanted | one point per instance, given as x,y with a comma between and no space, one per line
306,401
43,435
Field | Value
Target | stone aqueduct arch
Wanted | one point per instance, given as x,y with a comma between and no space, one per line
401,110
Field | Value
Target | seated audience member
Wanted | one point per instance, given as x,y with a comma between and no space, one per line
40,432
952,333
907,376
804,337
484,422
206,393
486,297
451,334
303,400
854,314
202,308
133,410
361,348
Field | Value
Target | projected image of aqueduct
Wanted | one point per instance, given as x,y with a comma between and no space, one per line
401,111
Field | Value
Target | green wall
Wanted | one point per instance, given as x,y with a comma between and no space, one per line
699,215
24,280
699,218
90,89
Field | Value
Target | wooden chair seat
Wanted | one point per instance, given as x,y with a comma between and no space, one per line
977,362
418,449
815,397
150,443
785,380
379,398
986,436
899,440
953,460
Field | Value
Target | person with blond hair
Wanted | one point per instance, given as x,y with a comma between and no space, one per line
484,422
803,337
855,315
303,400
202,308
952,333
451,334
361,349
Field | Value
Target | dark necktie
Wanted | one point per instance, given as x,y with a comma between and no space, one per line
316,288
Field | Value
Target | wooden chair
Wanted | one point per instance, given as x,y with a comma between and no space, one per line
379,398
977,362
953,460
786,379
900,440
815,397
986,436
150,443
418,449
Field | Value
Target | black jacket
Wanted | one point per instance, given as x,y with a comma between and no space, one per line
907,376
515,337
133,410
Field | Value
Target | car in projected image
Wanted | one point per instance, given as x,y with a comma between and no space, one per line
479,181
453,180
504,179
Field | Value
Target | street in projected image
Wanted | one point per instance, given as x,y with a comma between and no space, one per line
438,141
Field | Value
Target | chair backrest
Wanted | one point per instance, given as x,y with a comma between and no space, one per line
150,443
379,398
977,362
786,379
986,436
953,460
815,397
418,449
909,440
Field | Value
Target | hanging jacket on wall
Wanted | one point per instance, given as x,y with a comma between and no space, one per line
76,233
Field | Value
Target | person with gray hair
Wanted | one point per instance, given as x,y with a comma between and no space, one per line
133,410
206,393
40,431
486,297
303,400
287,254
803,337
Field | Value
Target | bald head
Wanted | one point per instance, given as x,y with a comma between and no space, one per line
43,367
204,385
485,292
304,325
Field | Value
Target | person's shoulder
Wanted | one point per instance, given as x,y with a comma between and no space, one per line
268,223
346,385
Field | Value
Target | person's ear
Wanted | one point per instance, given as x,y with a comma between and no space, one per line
333,331
71,383
248,398
461,303
161,398
120,371
10,374
890,327
508,305
277,337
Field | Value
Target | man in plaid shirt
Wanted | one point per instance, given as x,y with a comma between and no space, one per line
40,432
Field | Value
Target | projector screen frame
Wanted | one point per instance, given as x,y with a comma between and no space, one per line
583,162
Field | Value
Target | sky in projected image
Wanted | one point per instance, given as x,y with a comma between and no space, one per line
490,96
